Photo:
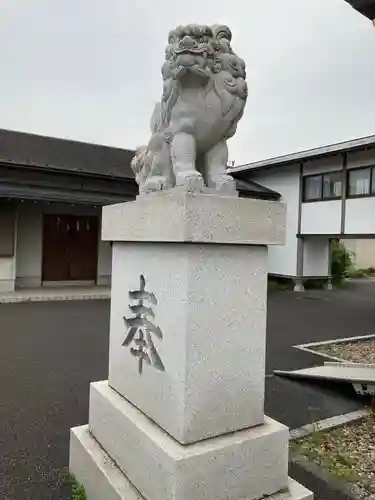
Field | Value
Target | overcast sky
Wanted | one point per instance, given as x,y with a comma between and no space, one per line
90,69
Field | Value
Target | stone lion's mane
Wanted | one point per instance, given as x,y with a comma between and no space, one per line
220,59
208,59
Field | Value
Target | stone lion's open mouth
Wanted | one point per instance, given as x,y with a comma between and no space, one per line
197,70
190,51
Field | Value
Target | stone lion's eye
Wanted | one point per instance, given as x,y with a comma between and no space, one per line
202,39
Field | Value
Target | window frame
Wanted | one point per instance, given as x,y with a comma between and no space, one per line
322,197
371,192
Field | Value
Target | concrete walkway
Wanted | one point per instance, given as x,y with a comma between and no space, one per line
52,294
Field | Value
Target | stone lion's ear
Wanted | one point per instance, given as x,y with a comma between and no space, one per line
221,31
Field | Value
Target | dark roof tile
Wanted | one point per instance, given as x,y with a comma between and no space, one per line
365,7
63,154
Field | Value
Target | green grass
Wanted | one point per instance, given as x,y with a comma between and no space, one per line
78,491
361,273
328,453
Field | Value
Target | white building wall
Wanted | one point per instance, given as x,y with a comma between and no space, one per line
7,274
360,216
364,252
364,158
29,246
316,257
321,217
321,165
282,260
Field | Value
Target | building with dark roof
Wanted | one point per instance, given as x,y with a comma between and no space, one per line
365,7
330,195
51,194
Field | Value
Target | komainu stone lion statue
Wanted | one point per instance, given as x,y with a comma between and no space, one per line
204,96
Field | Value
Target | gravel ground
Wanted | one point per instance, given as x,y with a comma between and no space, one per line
347,452
360,351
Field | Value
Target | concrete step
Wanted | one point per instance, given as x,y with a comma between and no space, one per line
354,373
102,479
51,294
361,376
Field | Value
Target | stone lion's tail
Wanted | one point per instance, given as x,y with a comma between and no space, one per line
139,164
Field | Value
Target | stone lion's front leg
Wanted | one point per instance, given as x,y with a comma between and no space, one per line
160,174
183,154
215,176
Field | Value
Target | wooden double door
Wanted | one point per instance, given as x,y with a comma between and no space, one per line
70,248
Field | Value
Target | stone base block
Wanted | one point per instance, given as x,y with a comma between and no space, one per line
102,479
246,464
195,217
93,468
209,304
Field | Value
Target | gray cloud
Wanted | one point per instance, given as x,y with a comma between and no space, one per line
90,70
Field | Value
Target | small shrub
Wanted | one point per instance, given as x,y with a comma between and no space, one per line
341,262
279,283
78,491
358,273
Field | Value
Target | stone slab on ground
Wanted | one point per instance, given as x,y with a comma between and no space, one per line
104,480
243,464
340,372
329,423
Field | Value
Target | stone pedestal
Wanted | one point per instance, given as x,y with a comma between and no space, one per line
181,415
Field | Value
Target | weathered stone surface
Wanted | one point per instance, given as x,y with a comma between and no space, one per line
178,216
244,464
211,310
181,416
204,95
94,468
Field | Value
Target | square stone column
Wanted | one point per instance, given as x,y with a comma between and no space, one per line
181,416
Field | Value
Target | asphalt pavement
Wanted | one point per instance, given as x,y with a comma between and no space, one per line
50,352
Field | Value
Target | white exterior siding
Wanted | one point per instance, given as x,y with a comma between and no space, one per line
360,216
321,217
282,260
322,165
7,274
364,252
363,158
316,257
